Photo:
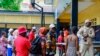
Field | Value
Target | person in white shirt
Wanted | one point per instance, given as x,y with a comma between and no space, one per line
86,33
15,34
10,41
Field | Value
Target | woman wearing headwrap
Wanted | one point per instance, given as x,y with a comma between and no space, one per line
39,43
42,33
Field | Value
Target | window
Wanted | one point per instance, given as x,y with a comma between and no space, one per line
49,2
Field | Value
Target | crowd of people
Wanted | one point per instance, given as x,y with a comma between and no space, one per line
43,42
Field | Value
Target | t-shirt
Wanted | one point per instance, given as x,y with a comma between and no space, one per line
31,36
60,40
10,38
22,46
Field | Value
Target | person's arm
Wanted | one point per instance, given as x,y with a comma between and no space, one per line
43,45
28,45
80,33
77,46
14,48
66,45
5,40
10,40
55,45
91,33
14,51
31,36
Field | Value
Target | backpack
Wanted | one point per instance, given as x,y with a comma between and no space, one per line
36,46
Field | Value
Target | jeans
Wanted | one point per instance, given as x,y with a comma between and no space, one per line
9,52
60,52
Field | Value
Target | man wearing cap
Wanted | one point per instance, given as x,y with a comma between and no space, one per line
31,36
10,41
21,43
86,33
51,40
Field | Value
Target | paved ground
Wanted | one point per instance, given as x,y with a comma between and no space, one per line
57,53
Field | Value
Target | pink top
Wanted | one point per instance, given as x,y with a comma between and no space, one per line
60,40
3,47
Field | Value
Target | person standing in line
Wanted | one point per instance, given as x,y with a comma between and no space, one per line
31,35
72,43
86,33
21,44
43,35
61,40
66,33
51,41
3,44
15,33
10,42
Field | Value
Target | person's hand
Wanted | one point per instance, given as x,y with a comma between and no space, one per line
78,53
85,39
85,35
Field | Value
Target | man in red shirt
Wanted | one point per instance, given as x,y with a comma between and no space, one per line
31,36
21,43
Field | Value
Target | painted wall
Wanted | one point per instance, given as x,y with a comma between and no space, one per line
25,19
64,17
61,5
91,12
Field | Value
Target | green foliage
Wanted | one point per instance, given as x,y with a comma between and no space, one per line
10,4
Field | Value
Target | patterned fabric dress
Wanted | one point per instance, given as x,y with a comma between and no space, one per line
71,50
3,48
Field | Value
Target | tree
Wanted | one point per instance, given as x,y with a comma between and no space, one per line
10,4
